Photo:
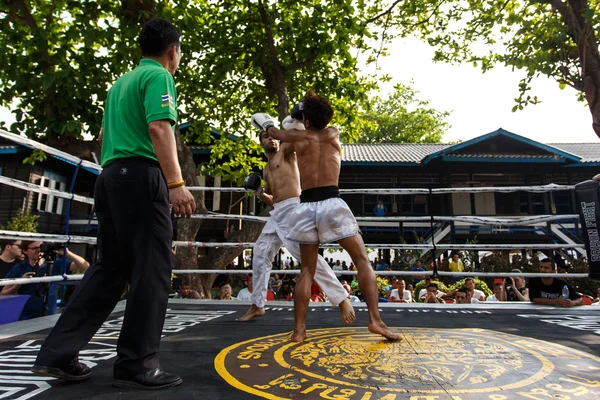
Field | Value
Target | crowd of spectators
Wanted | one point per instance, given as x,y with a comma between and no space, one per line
422,288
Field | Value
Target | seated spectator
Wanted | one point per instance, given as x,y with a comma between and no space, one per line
337,266
351,297
287,292
225,292
432,294
461,296
423,291
515,288
597,299
418,267
476,293
405,297
410,288
548,291
246,292
315,293
498,293
186,292
470,298
275,283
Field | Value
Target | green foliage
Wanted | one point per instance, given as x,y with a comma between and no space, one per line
382,283
22,222
422,285
403,118
479,284
37,155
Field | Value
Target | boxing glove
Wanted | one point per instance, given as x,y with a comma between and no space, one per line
252,182
297,111
262,121
291,123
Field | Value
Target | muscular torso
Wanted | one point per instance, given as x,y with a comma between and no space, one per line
319,158
281,174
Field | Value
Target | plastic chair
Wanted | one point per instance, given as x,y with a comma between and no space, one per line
271,295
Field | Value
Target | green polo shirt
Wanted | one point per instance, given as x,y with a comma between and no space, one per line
137,98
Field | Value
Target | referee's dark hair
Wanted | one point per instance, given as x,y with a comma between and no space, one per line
157,36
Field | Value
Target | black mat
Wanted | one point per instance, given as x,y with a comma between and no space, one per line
447,352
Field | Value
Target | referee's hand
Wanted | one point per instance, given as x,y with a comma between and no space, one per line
182,201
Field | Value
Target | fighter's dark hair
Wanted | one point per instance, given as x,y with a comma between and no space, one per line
317,110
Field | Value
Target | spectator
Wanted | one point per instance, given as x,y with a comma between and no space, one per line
35,266
456,265
225,292
380,209
423,291
498,293
351,297
287,292
11,255
351,267
597,299
401,295
515,288
548,291
186,292
470,299
432,294
337,266
476,293
246,292
410,288
418,267
461,296
379,265
275,283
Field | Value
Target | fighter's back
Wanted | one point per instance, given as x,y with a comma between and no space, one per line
319,158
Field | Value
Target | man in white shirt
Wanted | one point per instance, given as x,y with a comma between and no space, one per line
245,293
498,293
477,294
423,291
406,296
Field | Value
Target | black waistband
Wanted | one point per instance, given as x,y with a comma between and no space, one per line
319,194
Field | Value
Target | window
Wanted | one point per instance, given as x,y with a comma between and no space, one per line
414,204
563,203
49,203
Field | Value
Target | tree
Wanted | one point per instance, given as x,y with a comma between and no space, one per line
403,118
556,38
22,222
60,57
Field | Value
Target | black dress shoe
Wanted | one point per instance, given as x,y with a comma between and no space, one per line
151,380
78,373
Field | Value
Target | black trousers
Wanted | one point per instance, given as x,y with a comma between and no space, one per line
134,244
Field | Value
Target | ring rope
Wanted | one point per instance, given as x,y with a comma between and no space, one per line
78,277
47,149
43,190
92,240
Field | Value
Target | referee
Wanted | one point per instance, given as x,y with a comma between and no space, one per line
140,176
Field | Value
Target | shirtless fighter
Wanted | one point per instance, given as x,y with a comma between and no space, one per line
321,216
282,191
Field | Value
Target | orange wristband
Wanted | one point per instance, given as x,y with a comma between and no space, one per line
176,184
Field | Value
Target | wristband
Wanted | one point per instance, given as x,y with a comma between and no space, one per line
176,184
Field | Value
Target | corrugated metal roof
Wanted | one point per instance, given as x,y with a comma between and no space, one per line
397,153
389,152
589,152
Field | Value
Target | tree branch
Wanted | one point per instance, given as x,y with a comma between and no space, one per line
384,13
269,33
26,18
300,64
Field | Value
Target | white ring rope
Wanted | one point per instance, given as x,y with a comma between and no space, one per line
48,149
388,273
402,191
44,237
62,278
44,190
518,221
54,278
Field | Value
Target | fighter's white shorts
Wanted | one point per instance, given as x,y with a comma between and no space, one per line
321,217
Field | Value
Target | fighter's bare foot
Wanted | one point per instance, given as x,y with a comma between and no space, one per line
298,335
381,329
347,312
252,312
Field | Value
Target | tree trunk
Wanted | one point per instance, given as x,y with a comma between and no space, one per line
187,229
